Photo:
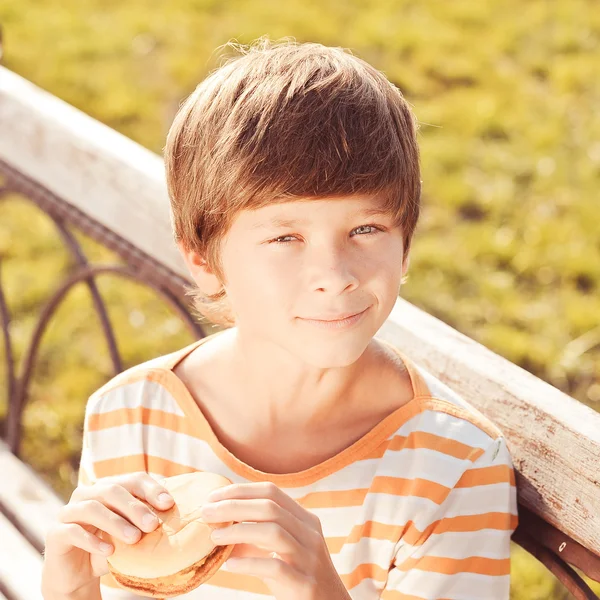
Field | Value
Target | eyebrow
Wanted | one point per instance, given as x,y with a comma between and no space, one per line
281,222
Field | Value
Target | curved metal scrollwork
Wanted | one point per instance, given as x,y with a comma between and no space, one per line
558,553
140,268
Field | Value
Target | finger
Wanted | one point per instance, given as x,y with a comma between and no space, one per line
63,538
120,501
95,513
144,486
259,510
267,489
268,536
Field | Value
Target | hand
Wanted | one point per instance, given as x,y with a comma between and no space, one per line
298,566
74,557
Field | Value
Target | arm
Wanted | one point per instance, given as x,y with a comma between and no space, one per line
465,551
105,588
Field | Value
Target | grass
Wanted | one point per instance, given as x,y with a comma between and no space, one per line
507,250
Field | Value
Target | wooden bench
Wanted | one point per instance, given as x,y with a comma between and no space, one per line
28,506
81,172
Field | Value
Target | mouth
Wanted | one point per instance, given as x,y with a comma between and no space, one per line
329,319
339,321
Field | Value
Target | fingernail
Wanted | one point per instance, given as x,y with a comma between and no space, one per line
104,547
130,532
149,520
164,498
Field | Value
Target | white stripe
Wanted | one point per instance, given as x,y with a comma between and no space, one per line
382,508
142,392
422,463
137,438
448,426
197,454
481,499
461,586
366,550
367,589
486,543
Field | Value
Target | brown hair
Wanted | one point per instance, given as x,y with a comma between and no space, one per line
286,121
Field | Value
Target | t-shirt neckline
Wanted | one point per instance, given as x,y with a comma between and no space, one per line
365,446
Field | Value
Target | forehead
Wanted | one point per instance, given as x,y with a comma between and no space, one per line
298,212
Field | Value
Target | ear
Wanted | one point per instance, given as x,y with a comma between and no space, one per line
205,279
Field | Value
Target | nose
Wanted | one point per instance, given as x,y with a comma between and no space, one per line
333,272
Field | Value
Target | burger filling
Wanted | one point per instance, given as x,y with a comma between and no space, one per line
172,584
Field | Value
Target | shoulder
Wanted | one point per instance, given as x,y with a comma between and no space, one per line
446,436
449,414
455,457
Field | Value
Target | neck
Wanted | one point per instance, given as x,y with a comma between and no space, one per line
286,392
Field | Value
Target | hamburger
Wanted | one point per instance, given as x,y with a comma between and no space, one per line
179,554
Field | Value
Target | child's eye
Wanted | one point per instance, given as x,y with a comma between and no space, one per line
279,240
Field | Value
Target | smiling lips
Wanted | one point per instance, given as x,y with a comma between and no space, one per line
336,317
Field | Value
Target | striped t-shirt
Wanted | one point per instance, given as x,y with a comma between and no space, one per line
422,506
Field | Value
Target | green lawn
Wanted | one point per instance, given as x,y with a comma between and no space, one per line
508,248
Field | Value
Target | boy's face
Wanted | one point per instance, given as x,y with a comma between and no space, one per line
332,261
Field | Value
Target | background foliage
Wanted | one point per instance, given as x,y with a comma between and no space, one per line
508,247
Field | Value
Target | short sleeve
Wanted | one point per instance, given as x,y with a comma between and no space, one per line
464,552
86,475
109,589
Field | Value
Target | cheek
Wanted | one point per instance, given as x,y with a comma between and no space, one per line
257,283
381,268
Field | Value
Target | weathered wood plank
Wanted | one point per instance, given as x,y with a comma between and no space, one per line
20,564
118,182
26,499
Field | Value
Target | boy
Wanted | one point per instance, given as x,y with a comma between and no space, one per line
294,180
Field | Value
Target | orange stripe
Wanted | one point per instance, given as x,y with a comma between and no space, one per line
375,530
461,524
396,486
139,462
487,476
422,488
430,441
333,499
141,414
158,418
239,582
364,571
413,536
451,566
